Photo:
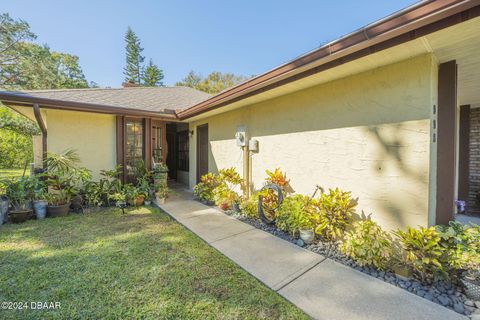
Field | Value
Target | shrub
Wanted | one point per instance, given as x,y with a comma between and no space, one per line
368,244
249,206
336,209
204,189
423,253
462,246
277,177
224,194
296,213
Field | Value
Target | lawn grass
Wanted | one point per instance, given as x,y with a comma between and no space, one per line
106,265
12,173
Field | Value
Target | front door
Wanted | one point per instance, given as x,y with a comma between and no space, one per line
202,151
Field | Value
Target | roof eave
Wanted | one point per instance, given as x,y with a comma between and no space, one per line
25,100
400,27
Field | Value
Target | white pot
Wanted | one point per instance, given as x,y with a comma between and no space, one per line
307,235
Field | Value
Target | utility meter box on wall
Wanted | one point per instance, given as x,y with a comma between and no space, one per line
241,136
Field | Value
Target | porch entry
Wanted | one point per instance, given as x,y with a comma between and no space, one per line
152,141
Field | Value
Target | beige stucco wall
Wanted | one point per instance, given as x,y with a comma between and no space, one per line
91,134
368,133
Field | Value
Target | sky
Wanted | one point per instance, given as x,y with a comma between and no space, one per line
243,37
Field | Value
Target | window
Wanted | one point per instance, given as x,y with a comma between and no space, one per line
157,143
134,144
183,159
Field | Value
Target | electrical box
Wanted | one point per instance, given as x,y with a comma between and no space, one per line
253,145
241,136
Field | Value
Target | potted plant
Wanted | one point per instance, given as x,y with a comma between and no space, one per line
134,196
19,193
58,204
161,192
64,179
39,199
160,173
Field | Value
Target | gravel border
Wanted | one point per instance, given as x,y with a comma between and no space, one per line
444,293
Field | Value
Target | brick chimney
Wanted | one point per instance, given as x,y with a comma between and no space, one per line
130,84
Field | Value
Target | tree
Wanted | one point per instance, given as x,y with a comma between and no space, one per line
12,34
25,65
152,76
213,83
134,58
191,80
15,139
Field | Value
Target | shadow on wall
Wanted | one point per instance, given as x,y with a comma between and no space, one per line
368,133
391,146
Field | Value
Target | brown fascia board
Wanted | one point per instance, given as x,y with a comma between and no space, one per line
406,25
15,99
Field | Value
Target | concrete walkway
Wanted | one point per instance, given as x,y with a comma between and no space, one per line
323,288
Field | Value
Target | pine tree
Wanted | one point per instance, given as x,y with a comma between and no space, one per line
134,59
152,76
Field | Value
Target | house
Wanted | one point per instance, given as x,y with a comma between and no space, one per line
389,112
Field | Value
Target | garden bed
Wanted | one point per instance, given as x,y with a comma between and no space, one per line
445,293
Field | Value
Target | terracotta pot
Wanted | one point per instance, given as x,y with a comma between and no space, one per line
224,206
139,201
19,216
58,211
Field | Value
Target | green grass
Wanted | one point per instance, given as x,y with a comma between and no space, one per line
12,173
139,265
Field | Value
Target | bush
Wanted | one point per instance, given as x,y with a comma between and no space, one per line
223,194
219,188
423,253
336,209
249,206
296,213
462,246
368,244
204,189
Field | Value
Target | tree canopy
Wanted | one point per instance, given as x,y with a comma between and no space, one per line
135,72
152,76
213,83
134,58
25,65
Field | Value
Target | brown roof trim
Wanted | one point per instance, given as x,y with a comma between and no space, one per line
413,22
18,99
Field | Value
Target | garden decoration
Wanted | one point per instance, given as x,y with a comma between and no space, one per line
122,205
279,196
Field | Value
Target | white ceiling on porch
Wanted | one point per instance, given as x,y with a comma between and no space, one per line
461,43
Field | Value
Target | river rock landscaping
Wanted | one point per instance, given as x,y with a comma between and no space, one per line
444,293
433,259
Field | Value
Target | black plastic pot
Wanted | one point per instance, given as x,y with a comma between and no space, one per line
58,211
19,216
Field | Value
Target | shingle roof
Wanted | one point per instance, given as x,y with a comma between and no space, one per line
156,99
